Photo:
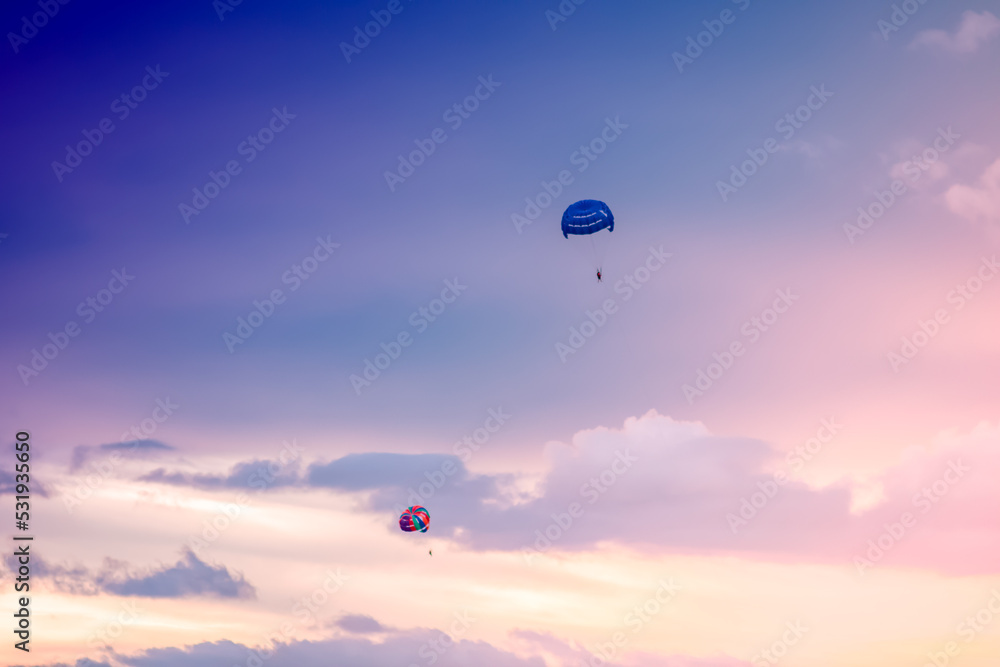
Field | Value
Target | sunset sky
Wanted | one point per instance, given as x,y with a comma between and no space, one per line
267,280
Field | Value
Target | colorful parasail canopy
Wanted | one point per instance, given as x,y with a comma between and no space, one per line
415,518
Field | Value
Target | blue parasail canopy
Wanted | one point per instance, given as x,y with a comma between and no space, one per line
587,217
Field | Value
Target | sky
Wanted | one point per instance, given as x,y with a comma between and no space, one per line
272,273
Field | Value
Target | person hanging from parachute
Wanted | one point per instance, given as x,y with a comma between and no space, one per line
586,218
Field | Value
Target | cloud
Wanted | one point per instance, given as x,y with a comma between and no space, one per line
570,654
258,474
391,477
401,649
659,485
190,577
139,449
923,164
72,580
357,472
359,624
918,172
8,485
654,483
567,653
981,202
974,31
82,662
399,480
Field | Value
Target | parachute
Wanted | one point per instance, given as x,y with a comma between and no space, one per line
587,218
415,518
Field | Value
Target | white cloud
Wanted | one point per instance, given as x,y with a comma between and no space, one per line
980,202
974,31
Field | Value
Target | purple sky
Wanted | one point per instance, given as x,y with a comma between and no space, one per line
216,219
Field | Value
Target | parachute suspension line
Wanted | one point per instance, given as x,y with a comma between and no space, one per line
596,251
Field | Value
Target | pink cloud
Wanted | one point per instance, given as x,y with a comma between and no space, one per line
663,486
981,202
688,491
